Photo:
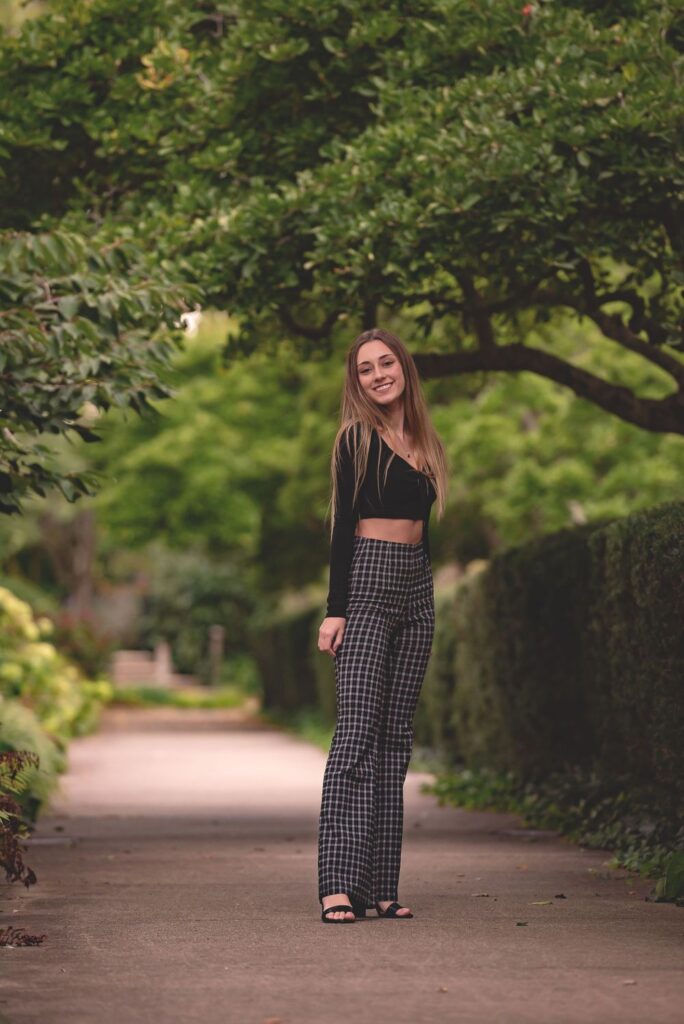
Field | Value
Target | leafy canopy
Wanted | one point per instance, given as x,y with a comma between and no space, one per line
486,167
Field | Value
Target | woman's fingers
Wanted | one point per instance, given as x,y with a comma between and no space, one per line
325,638
338,639
330,637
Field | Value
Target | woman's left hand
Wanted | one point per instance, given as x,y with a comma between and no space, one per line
330,634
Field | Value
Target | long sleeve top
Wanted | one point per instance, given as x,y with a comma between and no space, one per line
408,494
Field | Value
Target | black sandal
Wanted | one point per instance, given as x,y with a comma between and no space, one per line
338,920
391,911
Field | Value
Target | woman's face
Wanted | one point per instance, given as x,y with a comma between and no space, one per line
380,373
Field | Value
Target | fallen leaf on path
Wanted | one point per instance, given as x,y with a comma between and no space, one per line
560,896
521,922
541,903
479,894
629,981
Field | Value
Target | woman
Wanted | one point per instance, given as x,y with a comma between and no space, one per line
388,467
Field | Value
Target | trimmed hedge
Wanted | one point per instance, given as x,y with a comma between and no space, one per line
520,699
637,645
433,725
570,652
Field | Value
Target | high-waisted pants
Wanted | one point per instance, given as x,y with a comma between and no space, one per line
379,671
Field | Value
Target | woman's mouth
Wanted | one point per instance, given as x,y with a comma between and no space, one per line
383,387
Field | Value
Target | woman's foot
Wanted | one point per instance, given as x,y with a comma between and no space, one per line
402,912
339,897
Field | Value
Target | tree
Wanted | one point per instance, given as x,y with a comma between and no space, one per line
487,167
81,327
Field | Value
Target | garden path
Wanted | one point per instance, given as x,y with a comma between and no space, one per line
177,882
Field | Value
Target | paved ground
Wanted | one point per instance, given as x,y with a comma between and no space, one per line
177,882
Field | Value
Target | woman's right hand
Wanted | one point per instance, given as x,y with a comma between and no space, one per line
330,635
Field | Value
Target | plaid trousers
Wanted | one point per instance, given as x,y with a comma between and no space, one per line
379,671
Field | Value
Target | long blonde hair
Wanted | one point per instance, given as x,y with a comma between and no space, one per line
360,416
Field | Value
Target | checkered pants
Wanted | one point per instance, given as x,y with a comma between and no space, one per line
379,670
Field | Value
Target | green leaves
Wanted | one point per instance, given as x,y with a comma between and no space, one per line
300,162
80,322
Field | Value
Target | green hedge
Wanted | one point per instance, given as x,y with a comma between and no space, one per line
570,652
636,653
280,642
520,698
434,726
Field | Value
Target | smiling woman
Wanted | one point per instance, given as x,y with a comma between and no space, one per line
388,468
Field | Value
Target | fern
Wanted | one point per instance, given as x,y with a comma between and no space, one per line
16,770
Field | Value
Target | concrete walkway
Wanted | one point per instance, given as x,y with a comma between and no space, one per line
177,883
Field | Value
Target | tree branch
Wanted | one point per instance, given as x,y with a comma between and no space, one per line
614,327
662,415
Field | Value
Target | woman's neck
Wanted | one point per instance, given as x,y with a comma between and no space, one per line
397,421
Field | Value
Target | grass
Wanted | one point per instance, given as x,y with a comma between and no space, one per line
180,696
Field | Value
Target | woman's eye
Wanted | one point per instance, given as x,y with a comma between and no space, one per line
367,369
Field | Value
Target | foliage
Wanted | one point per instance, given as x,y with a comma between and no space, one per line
312,164
237,463
187,594
82,640
315,166
569,651
606,813
83,327
20,730
309,723
33,671
234,467
229,696
528,459
16,769
12,937
281,637
433,725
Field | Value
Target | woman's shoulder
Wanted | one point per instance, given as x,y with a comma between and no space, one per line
350,437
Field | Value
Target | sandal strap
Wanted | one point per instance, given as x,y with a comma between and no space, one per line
340,906
391,911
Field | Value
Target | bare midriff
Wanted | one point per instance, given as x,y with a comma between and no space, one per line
403,531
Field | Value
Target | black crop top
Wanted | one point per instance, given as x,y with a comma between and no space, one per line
408,494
